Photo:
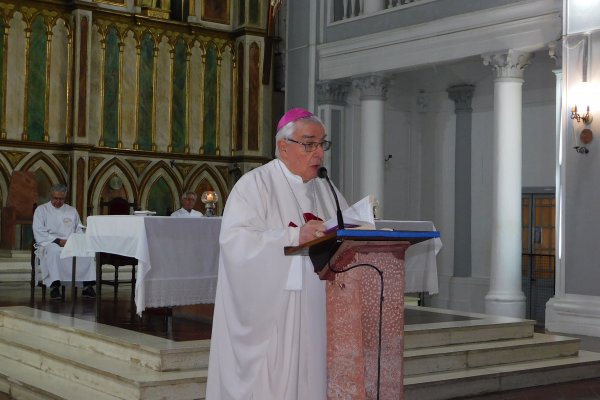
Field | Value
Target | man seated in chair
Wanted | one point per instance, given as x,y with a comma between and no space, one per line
52,225
188,201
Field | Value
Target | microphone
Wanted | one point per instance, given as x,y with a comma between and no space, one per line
323,175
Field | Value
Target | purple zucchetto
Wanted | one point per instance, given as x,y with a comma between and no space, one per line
293,115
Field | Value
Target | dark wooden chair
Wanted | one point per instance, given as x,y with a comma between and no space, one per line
34,283
116,206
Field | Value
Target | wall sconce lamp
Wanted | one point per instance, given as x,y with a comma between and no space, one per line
586,135
586,118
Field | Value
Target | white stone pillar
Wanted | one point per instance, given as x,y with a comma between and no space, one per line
331,99
373,90
462,96
505,296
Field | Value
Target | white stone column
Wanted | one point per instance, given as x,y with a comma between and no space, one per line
462,96
373,90
505,296
331,100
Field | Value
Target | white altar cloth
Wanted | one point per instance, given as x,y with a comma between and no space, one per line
178,257
420,263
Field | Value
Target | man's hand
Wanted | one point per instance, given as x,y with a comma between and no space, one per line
311,230
60,242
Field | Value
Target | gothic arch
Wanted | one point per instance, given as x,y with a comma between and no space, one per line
159,170
100,178
50,166
206,174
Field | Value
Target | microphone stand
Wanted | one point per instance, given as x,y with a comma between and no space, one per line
323,175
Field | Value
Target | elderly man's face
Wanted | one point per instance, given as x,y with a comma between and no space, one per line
57,199
188,202
299,161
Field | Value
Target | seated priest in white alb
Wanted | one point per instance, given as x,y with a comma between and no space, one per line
53,223
188,201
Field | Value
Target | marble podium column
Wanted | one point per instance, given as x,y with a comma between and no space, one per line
505,296
355,361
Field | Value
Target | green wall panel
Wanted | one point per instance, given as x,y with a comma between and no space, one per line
2,83
178,126
110,112
210,102
159,198
254,12
146,93
36,98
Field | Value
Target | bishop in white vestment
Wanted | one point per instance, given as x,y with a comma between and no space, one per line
269,327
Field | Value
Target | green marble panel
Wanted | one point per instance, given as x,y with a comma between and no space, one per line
2,100
36,90
210,102
242,13
110,113
254,12
159,198
179,110
146,93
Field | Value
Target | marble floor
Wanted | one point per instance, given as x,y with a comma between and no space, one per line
193,324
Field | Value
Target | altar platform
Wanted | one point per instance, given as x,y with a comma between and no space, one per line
165,353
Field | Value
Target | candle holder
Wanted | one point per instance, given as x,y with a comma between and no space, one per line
209,198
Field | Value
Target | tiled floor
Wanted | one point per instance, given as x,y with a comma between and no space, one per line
117,313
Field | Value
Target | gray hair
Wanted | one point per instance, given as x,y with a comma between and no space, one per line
288,130
187,193
59,188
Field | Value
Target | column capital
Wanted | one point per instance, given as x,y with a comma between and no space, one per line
332,92
555,52
372,87
508,64
462,96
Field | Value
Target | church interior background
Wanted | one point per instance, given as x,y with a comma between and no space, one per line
429,104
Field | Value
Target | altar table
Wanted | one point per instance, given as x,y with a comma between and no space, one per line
178,258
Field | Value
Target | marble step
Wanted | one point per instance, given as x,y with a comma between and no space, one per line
477,328
15,270
499,378
14,254
19,270
474,355
22,382
148,351
87,368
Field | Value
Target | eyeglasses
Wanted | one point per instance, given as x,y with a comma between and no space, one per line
309,147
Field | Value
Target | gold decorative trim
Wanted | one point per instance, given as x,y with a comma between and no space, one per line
139,166
224,171
14,157
184,169
155,13
93,163
64,160
120,3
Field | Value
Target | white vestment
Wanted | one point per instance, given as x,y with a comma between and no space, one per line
182,212
268,343
50,223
